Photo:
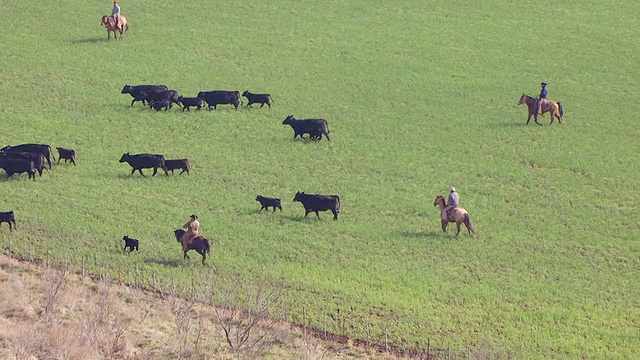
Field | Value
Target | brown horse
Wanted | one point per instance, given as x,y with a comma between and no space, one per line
553,107
458,216
110,23
199,244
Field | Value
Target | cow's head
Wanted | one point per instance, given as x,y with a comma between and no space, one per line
245,93
124,157
298,196
288,120
126,89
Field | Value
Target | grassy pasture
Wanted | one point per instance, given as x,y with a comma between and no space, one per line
419,96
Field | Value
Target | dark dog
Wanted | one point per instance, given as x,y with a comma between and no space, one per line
130,243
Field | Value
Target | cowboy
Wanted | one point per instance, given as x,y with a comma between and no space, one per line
543,97
192,227
452,202
115,14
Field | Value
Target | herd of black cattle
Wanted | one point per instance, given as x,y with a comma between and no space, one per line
29,158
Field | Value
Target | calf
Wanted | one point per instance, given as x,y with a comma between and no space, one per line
43,149
316,202
178,164
145,161
9,218
160,104
187,102
257,98
38,159
217,97
138,91
130,243
66,154
159,95
265,202
314,127
18,166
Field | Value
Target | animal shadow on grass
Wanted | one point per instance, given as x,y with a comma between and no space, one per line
89,40
166,262
420,234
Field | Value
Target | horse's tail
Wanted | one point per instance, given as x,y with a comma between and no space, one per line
207,247
467,221
560,109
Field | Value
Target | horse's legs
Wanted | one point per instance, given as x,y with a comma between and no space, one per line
535,117
444,225
528,119
458,227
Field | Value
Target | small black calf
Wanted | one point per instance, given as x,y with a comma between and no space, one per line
158,105
130,243
257,98
266,202
66,154
175,164
9,218
187,102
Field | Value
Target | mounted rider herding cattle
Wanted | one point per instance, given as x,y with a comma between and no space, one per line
115,23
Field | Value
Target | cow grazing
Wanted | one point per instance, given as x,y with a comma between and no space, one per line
176,164
138,92
67,155
265,202
314,127
218,97
316,202
145,161
38,159
158,105
43,149
130,243
18,166
9,218
257,98
188,102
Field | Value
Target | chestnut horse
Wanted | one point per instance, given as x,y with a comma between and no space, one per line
458,216
553,107
199,244
110,23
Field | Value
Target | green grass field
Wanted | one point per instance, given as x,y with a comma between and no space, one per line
418,95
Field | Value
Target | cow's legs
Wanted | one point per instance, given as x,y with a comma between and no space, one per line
140,171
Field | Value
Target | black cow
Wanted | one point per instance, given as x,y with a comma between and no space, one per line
217,97
145,161
316,202
257,98
43,149
175,164
66,154
9,218
138,91
187,102
159,95
38,159
158,105
265,202
314,127
130,243
18,166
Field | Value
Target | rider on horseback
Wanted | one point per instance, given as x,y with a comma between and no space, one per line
543,97
192,227
115,13
453,202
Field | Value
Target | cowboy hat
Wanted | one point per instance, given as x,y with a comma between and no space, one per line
543,83
194,217
452,189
